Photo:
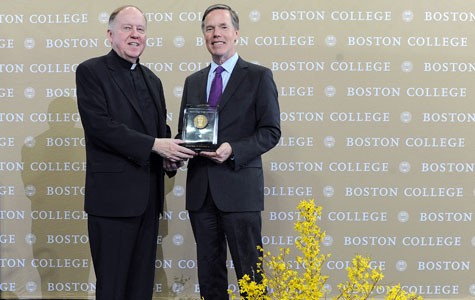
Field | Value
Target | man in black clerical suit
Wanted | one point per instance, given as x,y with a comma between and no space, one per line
225,188
128,149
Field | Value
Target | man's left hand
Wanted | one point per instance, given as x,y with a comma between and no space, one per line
221,155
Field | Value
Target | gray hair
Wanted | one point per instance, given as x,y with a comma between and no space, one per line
234,15
118,10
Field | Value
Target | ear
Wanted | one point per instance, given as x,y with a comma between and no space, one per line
236,35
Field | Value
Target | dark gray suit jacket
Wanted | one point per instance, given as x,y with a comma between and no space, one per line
249,119
118,146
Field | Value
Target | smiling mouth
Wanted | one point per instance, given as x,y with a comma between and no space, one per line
134,44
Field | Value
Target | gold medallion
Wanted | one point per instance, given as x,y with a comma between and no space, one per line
200,121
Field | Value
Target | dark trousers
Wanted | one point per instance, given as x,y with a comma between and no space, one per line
123,252
212,229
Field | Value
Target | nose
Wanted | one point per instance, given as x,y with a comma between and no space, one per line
135,32
216,33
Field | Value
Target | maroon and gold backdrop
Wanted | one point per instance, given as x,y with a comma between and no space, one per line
377,108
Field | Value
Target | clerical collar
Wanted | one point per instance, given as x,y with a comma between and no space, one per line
125,63
135,65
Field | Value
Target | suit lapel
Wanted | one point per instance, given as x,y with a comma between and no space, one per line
156,97
124,83
202,82
237,75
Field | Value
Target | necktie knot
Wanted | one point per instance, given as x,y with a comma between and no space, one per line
219,70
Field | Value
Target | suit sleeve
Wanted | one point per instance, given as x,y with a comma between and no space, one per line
181,112
267,131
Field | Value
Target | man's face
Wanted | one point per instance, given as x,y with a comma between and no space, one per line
127,34
220,35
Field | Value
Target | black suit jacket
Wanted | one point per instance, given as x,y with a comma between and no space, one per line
249,119
118,146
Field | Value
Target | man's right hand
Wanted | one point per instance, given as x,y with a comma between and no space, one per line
172,150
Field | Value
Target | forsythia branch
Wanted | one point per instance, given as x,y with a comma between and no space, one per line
282,282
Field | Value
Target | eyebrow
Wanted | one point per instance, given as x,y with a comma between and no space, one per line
138,26
220,24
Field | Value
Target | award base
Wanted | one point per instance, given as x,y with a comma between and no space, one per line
199,147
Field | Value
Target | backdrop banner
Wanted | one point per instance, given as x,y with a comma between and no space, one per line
377,111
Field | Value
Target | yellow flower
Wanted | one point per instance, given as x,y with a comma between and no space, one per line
280,281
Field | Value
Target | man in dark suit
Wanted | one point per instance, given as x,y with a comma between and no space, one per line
224,192
128,149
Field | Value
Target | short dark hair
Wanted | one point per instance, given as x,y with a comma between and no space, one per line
119,9
234,15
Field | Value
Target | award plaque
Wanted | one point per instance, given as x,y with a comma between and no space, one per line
200,127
